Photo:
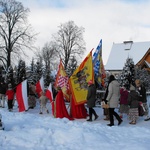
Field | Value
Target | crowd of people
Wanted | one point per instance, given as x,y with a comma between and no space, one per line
59,110
131,102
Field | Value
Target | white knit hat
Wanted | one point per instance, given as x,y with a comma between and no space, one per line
132,88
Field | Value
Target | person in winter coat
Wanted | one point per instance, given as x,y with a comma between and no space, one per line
10,97
142,93
31,97
113,100
43,101
106,110
124,108
60,110
91,98
133,102
3,89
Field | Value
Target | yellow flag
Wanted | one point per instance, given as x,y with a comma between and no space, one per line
79,80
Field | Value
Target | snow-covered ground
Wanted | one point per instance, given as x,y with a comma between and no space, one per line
32,131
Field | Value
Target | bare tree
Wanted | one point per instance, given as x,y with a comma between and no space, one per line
49,54
71,66
15,32
69,41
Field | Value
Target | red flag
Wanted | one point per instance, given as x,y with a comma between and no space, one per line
21,96
49,93
78,111
40,86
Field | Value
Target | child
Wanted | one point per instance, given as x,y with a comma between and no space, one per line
124,108
10,97
43,102
133,102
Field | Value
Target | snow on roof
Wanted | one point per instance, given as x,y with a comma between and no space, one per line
147,63
121,51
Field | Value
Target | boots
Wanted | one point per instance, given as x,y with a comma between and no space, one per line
107,117
96,116
90,117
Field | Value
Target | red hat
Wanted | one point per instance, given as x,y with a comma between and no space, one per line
90,82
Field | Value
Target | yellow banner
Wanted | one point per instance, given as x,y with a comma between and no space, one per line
79,80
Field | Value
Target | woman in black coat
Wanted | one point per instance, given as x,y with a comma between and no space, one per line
91,98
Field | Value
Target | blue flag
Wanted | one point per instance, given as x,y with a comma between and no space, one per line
98,52
96,61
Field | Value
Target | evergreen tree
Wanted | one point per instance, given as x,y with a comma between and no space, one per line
32,77
21,72
127,76
38,71
47,78
1,73
10,76
144,76
71,66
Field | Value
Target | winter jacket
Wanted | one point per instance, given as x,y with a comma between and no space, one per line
142,93
32,90
133,99
43,100
123,96
91,96
10,94
3,88
113,94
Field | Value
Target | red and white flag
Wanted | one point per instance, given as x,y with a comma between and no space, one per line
49,93
21,96
62,80
40,86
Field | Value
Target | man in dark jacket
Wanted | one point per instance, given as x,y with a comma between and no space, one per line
91,97
142,93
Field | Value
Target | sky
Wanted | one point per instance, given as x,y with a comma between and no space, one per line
32,131
113,21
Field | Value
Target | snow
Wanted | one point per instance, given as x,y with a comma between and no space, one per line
119,53
32,131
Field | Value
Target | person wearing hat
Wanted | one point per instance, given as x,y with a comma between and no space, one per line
91,98
133,102
113,100
142,92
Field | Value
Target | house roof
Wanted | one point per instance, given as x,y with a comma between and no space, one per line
128,49
148,64
145,59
